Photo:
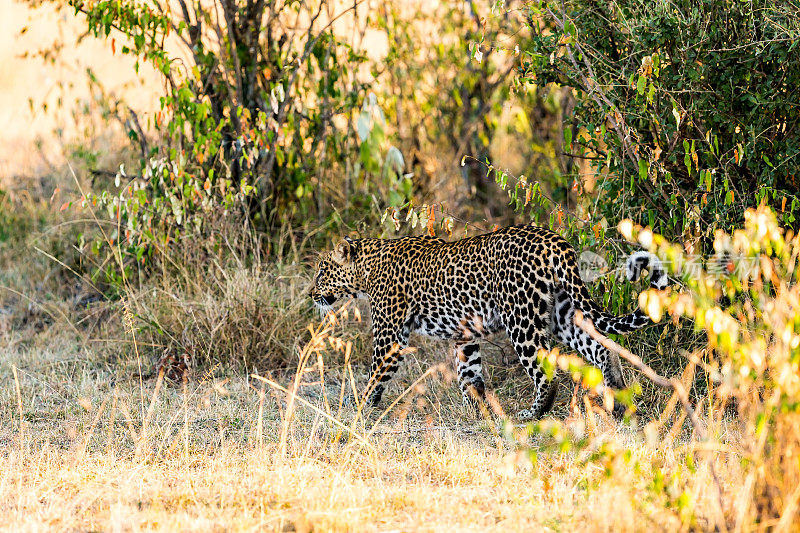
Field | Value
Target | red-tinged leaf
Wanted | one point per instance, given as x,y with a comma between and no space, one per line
64,206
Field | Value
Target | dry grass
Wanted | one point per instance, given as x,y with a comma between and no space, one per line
87,445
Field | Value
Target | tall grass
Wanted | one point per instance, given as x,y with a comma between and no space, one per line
286,452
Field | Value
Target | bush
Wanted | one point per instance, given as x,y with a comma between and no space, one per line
457,112
240,319
260,121
227,309
746,300
685,108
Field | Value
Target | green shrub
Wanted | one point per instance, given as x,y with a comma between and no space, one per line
457,112
257,122
746,300
687,108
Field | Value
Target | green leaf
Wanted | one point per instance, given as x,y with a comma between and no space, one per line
687,156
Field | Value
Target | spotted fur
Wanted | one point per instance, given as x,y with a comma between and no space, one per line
523,280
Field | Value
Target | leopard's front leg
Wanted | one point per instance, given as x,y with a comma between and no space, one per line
389,341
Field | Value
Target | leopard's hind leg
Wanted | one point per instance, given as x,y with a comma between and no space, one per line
566,332
470,373
528,328
530,344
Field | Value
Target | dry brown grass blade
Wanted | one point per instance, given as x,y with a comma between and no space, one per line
337,423
19,405
787,520
143,435
686,380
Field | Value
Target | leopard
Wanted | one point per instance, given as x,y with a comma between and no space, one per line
523,280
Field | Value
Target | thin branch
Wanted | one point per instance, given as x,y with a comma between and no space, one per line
672,384
229,11
311,40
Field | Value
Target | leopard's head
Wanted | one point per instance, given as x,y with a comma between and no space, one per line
336,276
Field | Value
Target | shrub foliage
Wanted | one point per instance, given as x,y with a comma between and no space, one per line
687,109
263,104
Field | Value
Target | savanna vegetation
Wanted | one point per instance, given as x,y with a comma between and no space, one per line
164,199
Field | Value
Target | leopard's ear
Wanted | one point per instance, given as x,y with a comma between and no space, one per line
344,251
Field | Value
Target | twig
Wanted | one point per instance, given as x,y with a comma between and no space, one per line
673,384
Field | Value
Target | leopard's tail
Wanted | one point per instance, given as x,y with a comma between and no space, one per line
603,321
